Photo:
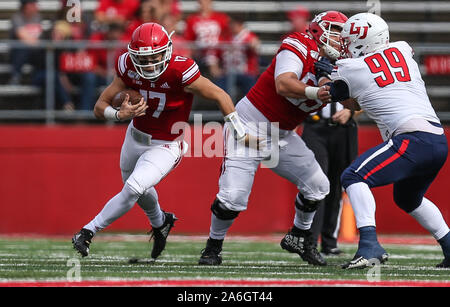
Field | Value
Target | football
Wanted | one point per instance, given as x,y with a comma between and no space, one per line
135,97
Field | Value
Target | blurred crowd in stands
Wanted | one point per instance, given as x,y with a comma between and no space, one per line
224,48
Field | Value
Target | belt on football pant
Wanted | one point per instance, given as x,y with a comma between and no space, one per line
141,137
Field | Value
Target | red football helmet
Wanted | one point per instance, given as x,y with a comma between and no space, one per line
150,50
320,29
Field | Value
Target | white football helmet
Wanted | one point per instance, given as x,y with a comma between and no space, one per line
364,33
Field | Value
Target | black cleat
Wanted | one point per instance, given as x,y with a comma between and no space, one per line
333,251
82,240
445,264
301,242
160,234
211,255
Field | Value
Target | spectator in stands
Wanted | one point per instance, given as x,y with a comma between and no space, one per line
207,29
165,7
26,27
98,76
145,13
70,63
180,45
117,11
299,18
241,58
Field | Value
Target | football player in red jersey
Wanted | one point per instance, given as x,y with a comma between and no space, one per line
207,28
284,95
168,83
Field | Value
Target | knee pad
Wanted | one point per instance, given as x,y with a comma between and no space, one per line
316,188
306,205
406,201
221,212
349,177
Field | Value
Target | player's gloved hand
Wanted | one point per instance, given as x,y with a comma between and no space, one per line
323,68
129,111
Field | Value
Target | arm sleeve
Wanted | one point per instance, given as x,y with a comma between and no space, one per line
287,61
339,74
339,90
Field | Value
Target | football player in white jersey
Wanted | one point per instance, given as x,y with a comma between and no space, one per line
383,79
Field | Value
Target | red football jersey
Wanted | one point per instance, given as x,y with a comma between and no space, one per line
207,32
168,102
242,58
289,113
125,9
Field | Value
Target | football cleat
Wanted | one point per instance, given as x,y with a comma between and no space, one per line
82,240
302,243
369,252
334,251
359,262
211,255
444,264
160,234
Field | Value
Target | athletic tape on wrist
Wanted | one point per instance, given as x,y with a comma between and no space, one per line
311,92
111,113
236,124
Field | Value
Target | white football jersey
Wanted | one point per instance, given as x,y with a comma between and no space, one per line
388,86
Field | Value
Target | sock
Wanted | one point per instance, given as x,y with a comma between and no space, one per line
445,244
429,216
149,203
114,208
219,228
368,234
368,246
303,219
363,204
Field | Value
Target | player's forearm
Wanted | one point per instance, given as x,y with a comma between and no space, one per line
224,102
206,89
99,109
323,81
290,87
351,104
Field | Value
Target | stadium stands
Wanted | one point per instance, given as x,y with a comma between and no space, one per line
424,24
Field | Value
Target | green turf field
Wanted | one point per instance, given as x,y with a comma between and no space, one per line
244,259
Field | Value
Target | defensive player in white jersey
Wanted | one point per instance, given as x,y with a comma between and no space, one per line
151,149
284,95
383,79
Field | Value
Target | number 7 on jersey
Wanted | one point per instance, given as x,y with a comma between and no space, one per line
161,101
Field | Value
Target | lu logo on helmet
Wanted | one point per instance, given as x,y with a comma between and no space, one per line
357,30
